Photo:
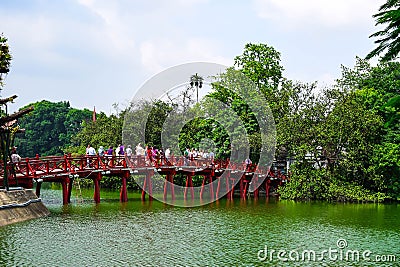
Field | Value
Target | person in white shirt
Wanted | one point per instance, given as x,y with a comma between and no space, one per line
91,151
129,151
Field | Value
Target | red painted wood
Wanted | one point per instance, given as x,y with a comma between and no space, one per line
96,180
58,169
70,185
124,192
64,192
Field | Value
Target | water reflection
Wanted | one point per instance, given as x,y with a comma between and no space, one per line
223,233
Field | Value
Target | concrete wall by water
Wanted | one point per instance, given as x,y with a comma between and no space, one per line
20,205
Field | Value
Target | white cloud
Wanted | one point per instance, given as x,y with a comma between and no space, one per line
105,10
116,31
328,13
157,55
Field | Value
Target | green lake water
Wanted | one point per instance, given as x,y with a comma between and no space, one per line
223,233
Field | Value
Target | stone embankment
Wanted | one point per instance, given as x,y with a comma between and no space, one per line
20,205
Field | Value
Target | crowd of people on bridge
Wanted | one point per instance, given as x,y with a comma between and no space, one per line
150,153
118,151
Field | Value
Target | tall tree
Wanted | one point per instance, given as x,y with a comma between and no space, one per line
389,39
49,128
105,131
5,59
143,122
8,123
261,64
378,89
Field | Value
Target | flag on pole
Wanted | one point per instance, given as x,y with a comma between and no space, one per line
94,114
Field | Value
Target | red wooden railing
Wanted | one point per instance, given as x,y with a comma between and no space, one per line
63,169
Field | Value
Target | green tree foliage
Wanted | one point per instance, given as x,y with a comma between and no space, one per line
106,131
5,59
261,63
378,89
353,130
336,137
389,39
143,122
241,105
49,128
205,134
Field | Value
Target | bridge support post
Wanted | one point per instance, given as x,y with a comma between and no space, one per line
227,185
231,188
254,184
218,188
38,187
70,184
64,191
96,181
123,196
244,185
210,185
144,188
166,187
241,185
148,184
189,183
202,186
267,187
169,180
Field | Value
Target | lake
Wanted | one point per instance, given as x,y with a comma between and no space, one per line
224,233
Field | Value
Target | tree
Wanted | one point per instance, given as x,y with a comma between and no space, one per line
8,123
261,64
73,123
357,127
143,122
378,89
389,42
105,131
49,128
5,59
231,104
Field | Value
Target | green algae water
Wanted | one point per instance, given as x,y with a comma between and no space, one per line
224,233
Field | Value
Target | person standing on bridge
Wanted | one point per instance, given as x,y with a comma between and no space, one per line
167,154
248,163
91,151
211,155
110,151
129,152
121,150
140,151
101,151
15,158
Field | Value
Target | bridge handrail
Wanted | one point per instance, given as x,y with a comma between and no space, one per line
69,163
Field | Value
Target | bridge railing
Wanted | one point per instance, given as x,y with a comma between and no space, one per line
32,167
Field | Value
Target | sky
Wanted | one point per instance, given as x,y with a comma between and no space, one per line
100,52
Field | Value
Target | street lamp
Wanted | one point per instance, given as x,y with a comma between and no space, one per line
196,80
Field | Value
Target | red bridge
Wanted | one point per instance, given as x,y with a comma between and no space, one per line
64,169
